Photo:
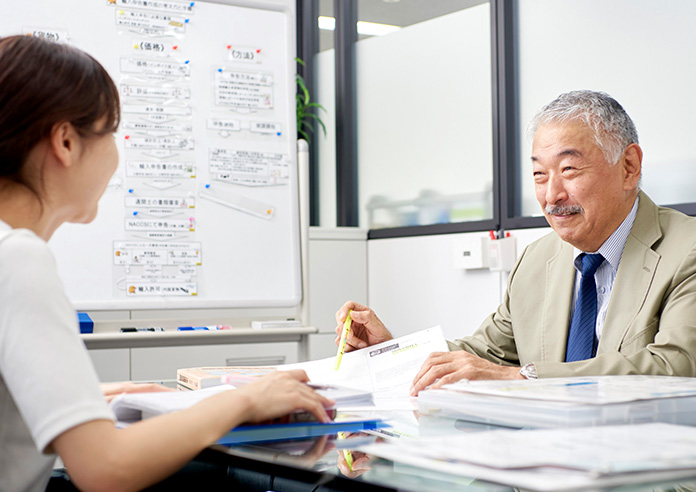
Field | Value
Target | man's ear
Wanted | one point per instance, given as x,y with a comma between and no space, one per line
632,163
63,143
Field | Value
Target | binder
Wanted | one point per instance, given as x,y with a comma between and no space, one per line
298,430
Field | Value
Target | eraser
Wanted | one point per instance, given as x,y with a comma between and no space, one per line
86,323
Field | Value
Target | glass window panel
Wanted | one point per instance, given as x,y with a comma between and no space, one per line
325,88
326,24
639,51
424,112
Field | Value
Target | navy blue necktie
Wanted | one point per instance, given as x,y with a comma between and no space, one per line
582,341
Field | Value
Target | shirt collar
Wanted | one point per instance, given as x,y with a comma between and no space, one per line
612,249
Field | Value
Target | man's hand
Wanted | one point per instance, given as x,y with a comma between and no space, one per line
366,328
360,462
450,367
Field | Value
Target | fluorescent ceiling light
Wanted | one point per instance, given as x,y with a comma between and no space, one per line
326,23
374,29
366,28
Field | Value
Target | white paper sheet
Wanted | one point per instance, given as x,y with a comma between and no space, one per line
591,389
134,406
558,459
386,369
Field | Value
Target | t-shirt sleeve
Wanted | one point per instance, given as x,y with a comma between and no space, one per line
43,361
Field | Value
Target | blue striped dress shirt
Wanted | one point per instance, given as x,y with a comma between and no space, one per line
611,250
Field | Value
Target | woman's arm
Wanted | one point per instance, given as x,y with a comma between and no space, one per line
100,457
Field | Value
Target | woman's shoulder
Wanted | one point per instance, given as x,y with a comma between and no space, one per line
23,249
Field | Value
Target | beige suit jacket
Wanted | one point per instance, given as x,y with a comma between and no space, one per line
650,327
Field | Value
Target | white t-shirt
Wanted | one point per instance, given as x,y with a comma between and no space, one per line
47,381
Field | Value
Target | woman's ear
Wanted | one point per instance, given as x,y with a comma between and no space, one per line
63,143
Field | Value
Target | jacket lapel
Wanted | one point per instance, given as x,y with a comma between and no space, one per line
636,271
560,280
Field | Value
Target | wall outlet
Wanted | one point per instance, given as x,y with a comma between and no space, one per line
469,253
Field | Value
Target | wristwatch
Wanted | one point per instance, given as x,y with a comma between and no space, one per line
529,371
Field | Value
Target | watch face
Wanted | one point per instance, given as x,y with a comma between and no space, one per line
529,371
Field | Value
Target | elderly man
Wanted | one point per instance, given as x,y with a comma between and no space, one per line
611,291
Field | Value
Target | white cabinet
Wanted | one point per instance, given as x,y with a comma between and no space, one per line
161,363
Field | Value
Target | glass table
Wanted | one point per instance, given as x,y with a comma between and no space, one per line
319,464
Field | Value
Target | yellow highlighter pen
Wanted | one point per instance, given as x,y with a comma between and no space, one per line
342,344
346,454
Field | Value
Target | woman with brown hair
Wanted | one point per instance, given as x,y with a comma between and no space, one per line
58,112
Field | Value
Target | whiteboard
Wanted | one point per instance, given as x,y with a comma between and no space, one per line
203,209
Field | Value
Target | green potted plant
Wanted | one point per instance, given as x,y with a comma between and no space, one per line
305,108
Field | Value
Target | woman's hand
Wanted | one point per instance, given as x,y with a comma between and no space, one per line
280,393
112,390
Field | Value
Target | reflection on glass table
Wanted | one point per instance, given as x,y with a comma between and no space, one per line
327,456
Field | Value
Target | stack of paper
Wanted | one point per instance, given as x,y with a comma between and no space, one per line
567,402
130,407
344,397
558,459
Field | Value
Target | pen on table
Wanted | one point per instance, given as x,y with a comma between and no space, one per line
132,329
344,335
346,454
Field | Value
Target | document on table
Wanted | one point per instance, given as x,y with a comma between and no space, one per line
567,402
596,390
387,370
129,407
556,459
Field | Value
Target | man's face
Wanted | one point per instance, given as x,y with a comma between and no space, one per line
584,197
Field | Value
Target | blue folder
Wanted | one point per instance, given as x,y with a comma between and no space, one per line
295,430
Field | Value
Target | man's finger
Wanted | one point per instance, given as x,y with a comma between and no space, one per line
362,317
354,341
350,347
424,368
430,376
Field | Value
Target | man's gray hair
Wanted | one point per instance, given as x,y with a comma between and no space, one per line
612,127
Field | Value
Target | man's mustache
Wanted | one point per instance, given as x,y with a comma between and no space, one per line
563,209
